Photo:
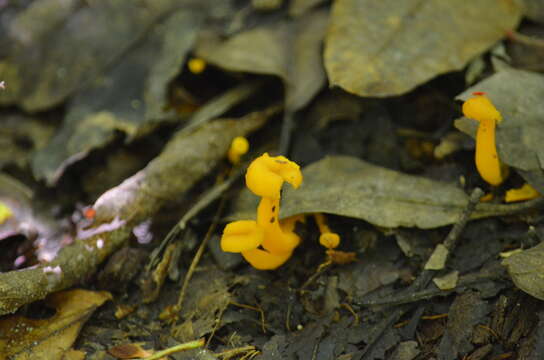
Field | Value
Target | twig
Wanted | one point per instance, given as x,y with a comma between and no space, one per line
525,39
209,197
493,273
451,240
174,349
220,104
199,253
508,209
234,352
453,236
425,276
320,270
254,308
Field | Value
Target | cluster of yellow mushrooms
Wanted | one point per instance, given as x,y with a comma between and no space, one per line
267,243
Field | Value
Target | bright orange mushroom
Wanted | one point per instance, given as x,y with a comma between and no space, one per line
238,147
487,160
327,238
526,192
240,236
265,177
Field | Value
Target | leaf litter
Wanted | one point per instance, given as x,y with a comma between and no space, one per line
380,184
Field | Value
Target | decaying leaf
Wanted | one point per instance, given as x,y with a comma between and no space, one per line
129,351
347,186
129,98
447,281
49,55
527,270
210,296
300,7
467,310
384,48
518,95
25,338
290,49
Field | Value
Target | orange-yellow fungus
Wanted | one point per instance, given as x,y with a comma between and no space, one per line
487,198
196,65
5,213
242,235
276,239
487,160
266,174
327,238
265,260
269,244
526,192
238,147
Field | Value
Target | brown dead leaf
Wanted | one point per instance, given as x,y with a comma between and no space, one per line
129,351
46,59
527,270
129,98
388,47
25,338
289,49
72,354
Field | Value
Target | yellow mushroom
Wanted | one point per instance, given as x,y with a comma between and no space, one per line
240,236
238,147
265,260
264,243
5,213
196,65
266,174
488,164
526,192
327,238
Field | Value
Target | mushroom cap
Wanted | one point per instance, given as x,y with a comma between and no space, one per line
480,108
266,174
329,240
241,236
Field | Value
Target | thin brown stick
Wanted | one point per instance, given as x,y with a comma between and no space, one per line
199,253
235,352
525,39
254,308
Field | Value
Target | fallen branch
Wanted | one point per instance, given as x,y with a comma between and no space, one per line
186,159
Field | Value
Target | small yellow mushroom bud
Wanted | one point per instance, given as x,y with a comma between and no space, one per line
238,147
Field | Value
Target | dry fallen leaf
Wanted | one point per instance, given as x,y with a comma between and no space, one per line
26,338
289,49
527,270
388,47
45,59
129,98
129,351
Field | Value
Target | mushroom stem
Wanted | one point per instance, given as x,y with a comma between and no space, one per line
275,239
327,238
480,108
487,159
